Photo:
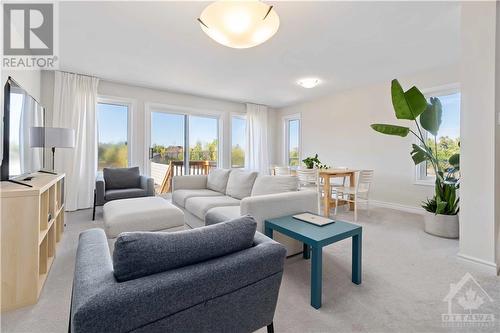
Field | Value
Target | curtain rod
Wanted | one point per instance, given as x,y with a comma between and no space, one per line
77,73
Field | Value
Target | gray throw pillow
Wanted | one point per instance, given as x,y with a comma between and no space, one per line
217,180
139,254
120,178
240,183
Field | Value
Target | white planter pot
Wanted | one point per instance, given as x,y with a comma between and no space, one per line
441,225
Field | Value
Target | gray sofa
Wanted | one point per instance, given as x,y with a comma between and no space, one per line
225,194
121,183
221,278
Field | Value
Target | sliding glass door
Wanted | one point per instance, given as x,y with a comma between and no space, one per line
203,139
183,144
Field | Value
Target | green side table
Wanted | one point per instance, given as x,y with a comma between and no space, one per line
314,239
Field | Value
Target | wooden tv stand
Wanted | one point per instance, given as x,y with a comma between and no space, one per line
31,226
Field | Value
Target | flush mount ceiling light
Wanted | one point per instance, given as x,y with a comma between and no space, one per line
309,82
239,24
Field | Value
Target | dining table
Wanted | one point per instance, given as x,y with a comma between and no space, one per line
327,175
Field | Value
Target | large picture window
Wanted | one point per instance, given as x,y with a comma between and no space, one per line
292,140
448,137
238,127
112,131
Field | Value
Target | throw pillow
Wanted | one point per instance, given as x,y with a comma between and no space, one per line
139,254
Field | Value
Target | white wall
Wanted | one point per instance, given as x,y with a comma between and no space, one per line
497,139
477,164
337,127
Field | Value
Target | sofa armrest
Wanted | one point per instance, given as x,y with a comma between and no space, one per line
154,297
93,274
100,188
193,182
269,206
148,185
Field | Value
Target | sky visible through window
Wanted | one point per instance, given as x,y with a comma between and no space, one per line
167,129
450,125
238,132
112,123
294,134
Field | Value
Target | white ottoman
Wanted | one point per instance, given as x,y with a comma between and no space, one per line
141,214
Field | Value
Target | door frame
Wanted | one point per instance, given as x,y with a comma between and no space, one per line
185,111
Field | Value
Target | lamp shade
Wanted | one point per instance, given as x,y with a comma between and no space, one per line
50,137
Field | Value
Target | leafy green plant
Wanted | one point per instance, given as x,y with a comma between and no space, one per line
411,105
312,162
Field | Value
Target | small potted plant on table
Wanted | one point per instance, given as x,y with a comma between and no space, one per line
442,209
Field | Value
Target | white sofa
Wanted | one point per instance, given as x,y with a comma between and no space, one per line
225,194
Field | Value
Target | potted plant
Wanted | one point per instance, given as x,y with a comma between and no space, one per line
314,162
442,209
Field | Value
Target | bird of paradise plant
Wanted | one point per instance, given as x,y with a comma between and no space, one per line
412,105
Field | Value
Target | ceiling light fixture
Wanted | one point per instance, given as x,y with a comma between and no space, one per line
239,24
309,82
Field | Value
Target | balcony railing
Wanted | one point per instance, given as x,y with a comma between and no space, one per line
163,173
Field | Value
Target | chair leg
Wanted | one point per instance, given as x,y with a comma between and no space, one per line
93,210
355,209
270,328
336,203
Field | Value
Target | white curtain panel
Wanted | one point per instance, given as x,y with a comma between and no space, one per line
257,149
75,98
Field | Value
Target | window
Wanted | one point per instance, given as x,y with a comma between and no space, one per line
112,131
292,141
448,137
238,127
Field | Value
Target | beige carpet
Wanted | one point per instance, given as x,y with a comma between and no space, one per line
406,275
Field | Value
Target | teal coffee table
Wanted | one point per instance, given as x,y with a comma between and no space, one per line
315,238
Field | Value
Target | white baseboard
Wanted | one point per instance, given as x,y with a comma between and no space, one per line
404,208
491,265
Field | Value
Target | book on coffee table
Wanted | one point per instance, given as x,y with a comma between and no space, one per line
314,219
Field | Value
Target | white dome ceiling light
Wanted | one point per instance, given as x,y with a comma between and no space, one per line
239,24
309,82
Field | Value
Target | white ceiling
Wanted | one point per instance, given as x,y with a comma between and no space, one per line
160,45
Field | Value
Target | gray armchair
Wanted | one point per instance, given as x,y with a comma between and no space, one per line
121,183
220,278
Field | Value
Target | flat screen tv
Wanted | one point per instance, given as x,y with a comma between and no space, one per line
21,112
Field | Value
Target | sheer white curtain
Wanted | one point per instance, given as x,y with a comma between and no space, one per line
256,148
75,98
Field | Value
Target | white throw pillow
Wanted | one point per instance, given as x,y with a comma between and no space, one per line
217,180
240,183
275,184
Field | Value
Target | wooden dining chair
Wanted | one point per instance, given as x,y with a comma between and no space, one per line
309,180
355,194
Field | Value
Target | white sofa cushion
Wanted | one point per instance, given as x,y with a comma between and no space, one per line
179,197
275,184
199,206
217,180
140,214
240,183
221,214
